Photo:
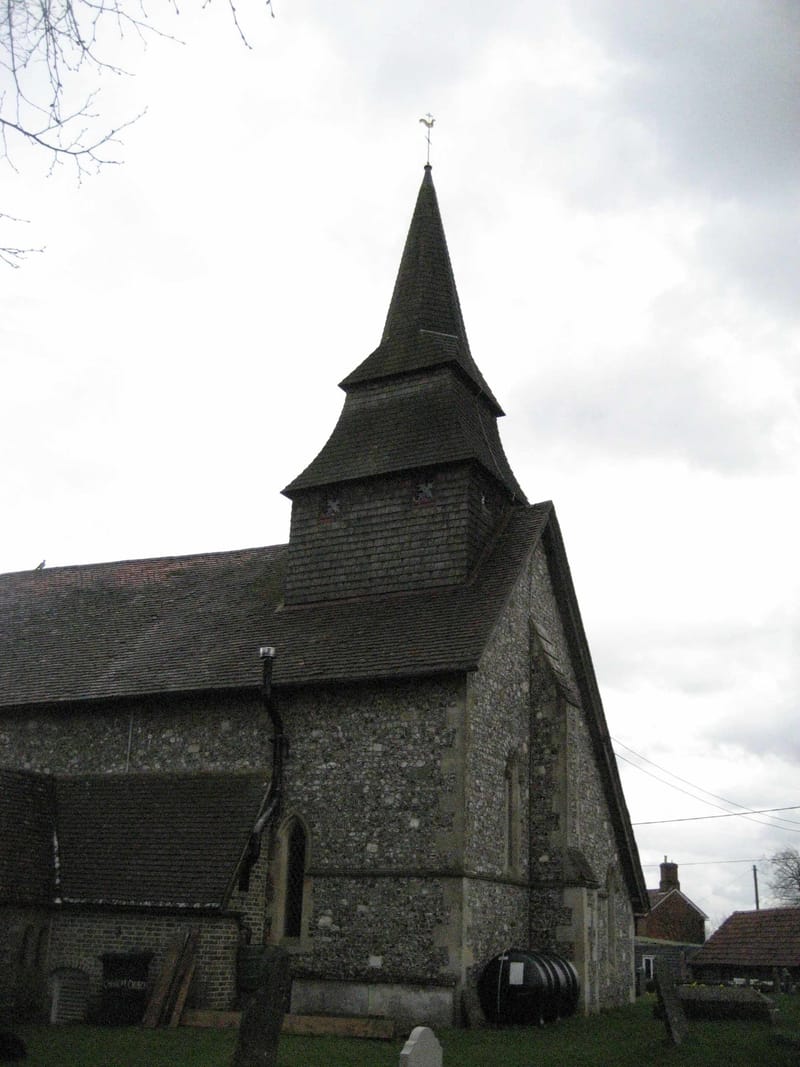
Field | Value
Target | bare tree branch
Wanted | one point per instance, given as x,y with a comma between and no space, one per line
12,255
785,881
44,45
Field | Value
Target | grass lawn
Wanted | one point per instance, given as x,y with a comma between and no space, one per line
627,1037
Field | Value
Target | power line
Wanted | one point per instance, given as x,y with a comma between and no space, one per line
789,824
724,815
705,863
686,781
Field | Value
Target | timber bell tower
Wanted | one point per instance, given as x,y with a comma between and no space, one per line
413,482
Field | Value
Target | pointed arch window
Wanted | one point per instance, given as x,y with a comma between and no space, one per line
295,879
512,829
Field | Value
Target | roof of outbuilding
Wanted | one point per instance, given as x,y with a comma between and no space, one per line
195,623
26,837
156,840
768,938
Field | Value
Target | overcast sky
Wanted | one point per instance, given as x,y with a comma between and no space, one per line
619,183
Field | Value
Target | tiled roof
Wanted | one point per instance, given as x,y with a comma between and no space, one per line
142,626
196,622
768,938
27,820
161,840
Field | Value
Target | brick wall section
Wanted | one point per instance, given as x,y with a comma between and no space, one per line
24,938
674,919
198,734
79,939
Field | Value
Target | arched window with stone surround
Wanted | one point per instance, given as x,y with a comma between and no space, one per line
512,830
291,907
611,910
295,879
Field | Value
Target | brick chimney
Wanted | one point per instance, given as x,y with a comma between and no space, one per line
669,877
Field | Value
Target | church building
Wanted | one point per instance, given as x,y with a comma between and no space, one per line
381,745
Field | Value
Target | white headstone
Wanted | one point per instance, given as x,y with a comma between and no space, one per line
422,1049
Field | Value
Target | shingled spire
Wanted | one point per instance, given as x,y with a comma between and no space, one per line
424,327
413,478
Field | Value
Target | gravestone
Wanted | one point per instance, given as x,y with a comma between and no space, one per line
262,1018
422,1049
669,1001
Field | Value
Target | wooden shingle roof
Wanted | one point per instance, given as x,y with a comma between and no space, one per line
419,400
424,326
383,430
768,938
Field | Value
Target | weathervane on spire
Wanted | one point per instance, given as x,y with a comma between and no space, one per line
428,122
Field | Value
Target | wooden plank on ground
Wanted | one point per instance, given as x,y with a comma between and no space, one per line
184,972
155,1005
220,1020
318,1025
340,1026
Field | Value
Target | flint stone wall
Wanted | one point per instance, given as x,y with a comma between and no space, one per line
197,733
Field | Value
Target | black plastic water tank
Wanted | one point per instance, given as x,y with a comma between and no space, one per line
524,988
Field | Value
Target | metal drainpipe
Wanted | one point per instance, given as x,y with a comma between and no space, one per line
272,801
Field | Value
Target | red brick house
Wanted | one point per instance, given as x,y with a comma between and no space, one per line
672,916
671,930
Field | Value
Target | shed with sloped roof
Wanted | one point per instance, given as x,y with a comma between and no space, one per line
761,945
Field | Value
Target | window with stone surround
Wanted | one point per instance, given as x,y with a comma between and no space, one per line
295,877
292,897
611,910
511,814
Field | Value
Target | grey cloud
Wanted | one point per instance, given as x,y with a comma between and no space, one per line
758,248
766,732
662,403
716,82
752,667
685,659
